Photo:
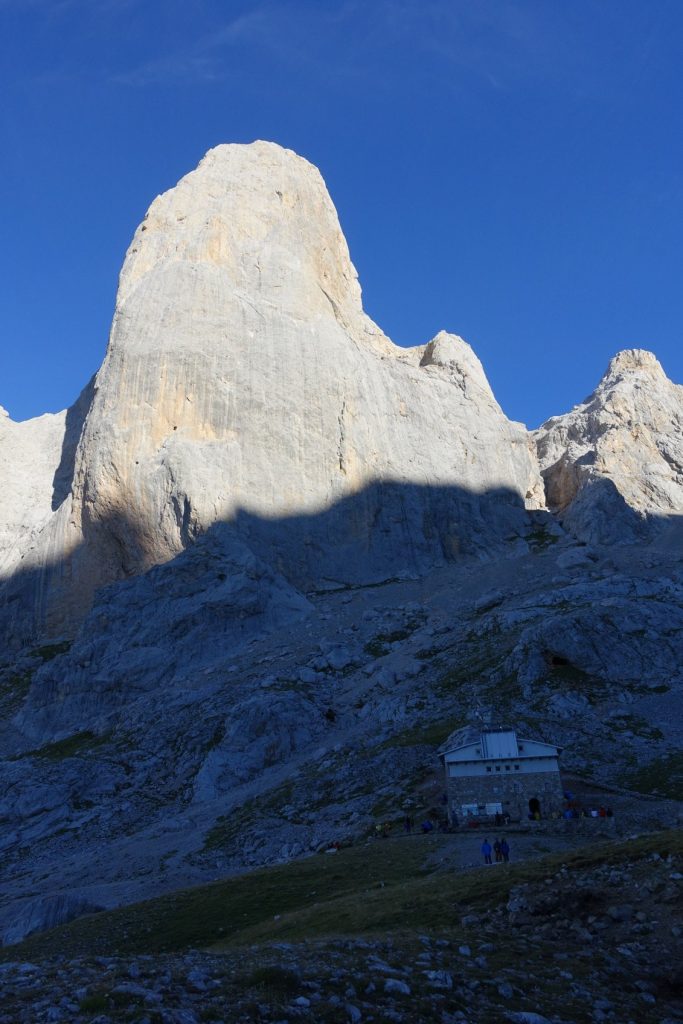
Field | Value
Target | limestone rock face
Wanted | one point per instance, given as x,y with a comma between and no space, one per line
243,383
41,544
455,357
45,912
30,454
614,464
156,629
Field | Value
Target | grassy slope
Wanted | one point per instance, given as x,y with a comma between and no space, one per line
378,887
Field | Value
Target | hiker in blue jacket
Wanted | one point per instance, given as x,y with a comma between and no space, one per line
486,850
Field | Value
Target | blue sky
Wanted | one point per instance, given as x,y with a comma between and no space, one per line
510,170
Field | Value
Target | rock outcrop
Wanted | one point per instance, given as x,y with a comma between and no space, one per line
161,628
243,383
43,913
30,454
613,466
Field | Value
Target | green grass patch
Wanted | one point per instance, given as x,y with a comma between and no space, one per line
95,1003
427,653
228,827
49,651
432,734
540,539
71,746
569,677
636,724
435,901
661,777
203,915
13,689
18,682
377,888
480,660
377,647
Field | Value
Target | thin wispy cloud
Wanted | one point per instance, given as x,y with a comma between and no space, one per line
346,41
173,69
491,40
286,32
349,45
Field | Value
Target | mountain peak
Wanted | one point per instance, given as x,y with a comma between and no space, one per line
260,219
632,360
242,374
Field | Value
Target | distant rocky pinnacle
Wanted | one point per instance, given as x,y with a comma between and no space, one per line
243,384
613,466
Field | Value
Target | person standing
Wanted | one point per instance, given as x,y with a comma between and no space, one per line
505,851
486,851
497,851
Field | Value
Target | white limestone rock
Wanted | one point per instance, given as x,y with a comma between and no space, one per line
615,463
30,455
39,539
244,383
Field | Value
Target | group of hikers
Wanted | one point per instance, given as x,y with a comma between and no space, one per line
573,808
498,853
500,850
587,812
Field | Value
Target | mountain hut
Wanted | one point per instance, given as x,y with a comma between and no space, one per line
492,771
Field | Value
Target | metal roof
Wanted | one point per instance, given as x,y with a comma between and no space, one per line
499,743
491,744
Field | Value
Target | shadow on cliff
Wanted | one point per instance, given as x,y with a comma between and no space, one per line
75,419
384,530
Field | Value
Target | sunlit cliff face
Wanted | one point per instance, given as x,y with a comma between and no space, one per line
243,374
242,378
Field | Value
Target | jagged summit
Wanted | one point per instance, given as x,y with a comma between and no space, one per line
616,461
629,367
631,360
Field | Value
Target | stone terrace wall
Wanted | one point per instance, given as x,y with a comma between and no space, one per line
512,791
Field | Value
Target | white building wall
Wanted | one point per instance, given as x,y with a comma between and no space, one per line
468,769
